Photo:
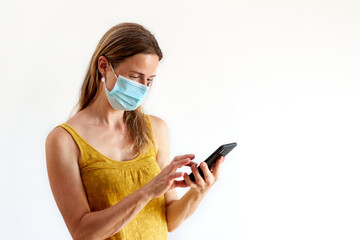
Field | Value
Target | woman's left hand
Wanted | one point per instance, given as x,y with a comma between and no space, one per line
202,185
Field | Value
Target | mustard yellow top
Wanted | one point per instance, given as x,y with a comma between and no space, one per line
107,181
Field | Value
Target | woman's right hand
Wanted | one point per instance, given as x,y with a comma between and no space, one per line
165,180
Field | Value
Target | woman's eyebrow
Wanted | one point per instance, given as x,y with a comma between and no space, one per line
141,73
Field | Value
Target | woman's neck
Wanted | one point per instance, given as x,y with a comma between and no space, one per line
102,113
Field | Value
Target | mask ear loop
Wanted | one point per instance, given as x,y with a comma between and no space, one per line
103,78
113,70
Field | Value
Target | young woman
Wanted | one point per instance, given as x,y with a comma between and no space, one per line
108,165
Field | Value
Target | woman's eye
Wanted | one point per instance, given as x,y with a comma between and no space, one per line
135,76
148,83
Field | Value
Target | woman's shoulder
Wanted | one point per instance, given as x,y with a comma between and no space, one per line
56,135
60,147
159,129
59,137
158,124
60,142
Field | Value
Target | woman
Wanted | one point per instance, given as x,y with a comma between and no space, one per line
108,165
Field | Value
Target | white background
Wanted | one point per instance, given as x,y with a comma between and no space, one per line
281,78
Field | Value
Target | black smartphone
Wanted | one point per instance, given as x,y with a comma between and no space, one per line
211,160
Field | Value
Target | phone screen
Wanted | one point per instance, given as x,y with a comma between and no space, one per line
223,150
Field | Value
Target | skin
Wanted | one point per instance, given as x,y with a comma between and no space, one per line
103,128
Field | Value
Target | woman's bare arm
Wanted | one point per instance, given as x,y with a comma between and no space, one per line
62,156
178,211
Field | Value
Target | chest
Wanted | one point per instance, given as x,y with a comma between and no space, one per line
113,143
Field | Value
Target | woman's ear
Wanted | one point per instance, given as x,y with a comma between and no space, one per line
102,65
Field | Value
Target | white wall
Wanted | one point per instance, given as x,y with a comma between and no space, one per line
279,77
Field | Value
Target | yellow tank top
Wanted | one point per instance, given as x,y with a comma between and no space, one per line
107,181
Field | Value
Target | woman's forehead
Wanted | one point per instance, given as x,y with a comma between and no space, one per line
145,64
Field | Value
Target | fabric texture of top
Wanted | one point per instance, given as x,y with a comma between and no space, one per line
107,181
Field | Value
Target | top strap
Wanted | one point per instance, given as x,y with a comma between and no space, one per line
147,117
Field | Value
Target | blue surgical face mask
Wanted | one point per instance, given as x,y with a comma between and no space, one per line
127,94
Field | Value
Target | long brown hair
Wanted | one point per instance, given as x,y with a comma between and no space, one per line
119,42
